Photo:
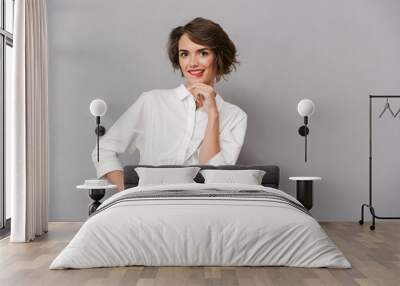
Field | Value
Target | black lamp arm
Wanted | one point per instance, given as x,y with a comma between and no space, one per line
303,131
100,131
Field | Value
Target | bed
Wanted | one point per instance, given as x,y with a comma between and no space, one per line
198,224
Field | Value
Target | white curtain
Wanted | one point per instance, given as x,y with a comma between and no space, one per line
27,123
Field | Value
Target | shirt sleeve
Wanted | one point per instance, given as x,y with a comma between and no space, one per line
126,134
231,142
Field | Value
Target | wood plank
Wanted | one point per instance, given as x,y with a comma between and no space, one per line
375,257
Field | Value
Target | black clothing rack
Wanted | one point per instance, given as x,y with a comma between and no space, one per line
369,205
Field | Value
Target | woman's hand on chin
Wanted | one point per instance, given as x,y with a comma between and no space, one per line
205,96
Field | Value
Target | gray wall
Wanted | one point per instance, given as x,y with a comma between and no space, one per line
333,52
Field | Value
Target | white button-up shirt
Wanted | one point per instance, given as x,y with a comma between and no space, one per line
167,129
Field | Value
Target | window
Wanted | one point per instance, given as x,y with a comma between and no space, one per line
6,44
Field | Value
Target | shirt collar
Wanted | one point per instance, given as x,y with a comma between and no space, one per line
183,93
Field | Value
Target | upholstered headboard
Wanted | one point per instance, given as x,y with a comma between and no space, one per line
270,179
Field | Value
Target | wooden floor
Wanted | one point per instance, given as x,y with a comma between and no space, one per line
375,256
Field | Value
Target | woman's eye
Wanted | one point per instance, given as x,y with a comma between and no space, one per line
204,53
183,54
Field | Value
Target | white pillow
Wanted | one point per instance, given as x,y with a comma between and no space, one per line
162,176
249,177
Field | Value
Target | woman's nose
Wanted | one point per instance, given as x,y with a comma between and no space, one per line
193,62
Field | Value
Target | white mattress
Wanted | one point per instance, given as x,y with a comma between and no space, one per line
200,231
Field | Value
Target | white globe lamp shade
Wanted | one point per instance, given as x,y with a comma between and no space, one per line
98,107
305,107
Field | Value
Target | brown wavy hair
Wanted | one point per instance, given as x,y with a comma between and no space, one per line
207,33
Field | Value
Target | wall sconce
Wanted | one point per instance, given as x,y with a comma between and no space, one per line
305,108
98,108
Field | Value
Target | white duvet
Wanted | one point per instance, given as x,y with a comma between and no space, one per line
200,231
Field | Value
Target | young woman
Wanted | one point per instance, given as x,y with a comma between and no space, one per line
188,125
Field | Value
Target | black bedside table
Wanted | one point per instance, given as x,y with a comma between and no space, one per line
96,193
304,190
